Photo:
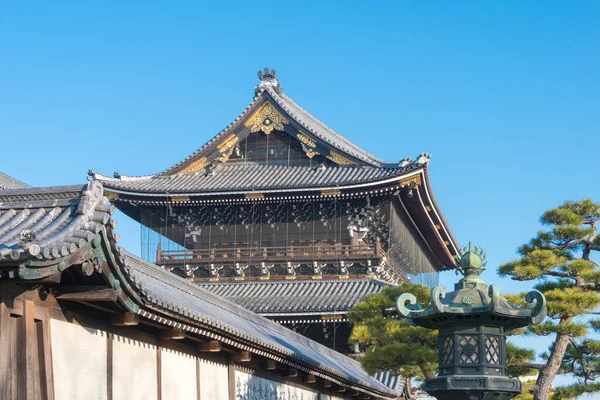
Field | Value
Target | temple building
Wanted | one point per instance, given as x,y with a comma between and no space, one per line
81,318
283,215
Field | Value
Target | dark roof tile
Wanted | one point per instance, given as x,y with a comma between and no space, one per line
298,296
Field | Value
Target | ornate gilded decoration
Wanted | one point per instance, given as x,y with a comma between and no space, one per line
332,192
339,159
196,166
306,140
227,147
415,179
254,196
111,196
308,144
266,118
180,199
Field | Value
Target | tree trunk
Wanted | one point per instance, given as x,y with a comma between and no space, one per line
548,372
427,372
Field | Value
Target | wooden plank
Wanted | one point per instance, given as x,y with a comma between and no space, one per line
27,358
5,350
96,293
231,380
173,333
47,344
109,366
159,372
212,346
198,378
125,319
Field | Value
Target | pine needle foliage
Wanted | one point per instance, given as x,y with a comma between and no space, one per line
560,259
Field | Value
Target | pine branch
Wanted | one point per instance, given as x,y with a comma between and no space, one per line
525,365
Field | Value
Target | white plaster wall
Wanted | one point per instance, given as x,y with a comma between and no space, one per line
134,370
178,376
78,361
328,397
214,378
247,385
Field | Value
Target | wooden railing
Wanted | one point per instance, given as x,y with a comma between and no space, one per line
282,254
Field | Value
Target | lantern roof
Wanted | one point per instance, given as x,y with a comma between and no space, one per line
472,301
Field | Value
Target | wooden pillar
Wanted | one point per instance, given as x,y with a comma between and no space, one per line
231,379
28,374
5,372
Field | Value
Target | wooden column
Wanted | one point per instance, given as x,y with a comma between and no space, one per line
5,372
231,379
28,374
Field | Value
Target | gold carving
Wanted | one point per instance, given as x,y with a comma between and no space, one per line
331,317
339,159
180,199
266,118
111,196
310,153
415,179
332,192
254,196
228,143
227,147
306,140
196,166
428,208
438,227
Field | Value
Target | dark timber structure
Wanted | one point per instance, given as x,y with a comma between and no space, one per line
82,318
284,215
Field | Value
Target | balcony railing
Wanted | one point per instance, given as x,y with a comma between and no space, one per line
274,255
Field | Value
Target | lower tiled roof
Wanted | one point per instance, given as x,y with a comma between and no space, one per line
8,182
296,296
161,288
247,177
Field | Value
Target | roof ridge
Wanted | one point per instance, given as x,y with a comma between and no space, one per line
328,128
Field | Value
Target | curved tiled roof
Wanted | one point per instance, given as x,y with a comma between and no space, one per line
8,182
46,230
247,177
50,223
164,289
296,297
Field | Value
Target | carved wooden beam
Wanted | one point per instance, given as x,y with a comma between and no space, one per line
125,319
87,293
173,333
292,373
243,356
310,378
212,346
326,384
271,365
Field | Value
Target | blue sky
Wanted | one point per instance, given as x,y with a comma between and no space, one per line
505,95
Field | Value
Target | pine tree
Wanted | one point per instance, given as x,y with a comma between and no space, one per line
559,258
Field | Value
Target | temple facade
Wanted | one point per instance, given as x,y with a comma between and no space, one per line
282,214
81,318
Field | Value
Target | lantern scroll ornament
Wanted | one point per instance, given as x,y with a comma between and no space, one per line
472,321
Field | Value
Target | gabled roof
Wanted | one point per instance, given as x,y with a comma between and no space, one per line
270,110
296,297
8,182
45,231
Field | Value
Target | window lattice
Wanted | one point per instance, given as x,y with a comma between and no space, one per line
492,350
448,350
469,349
